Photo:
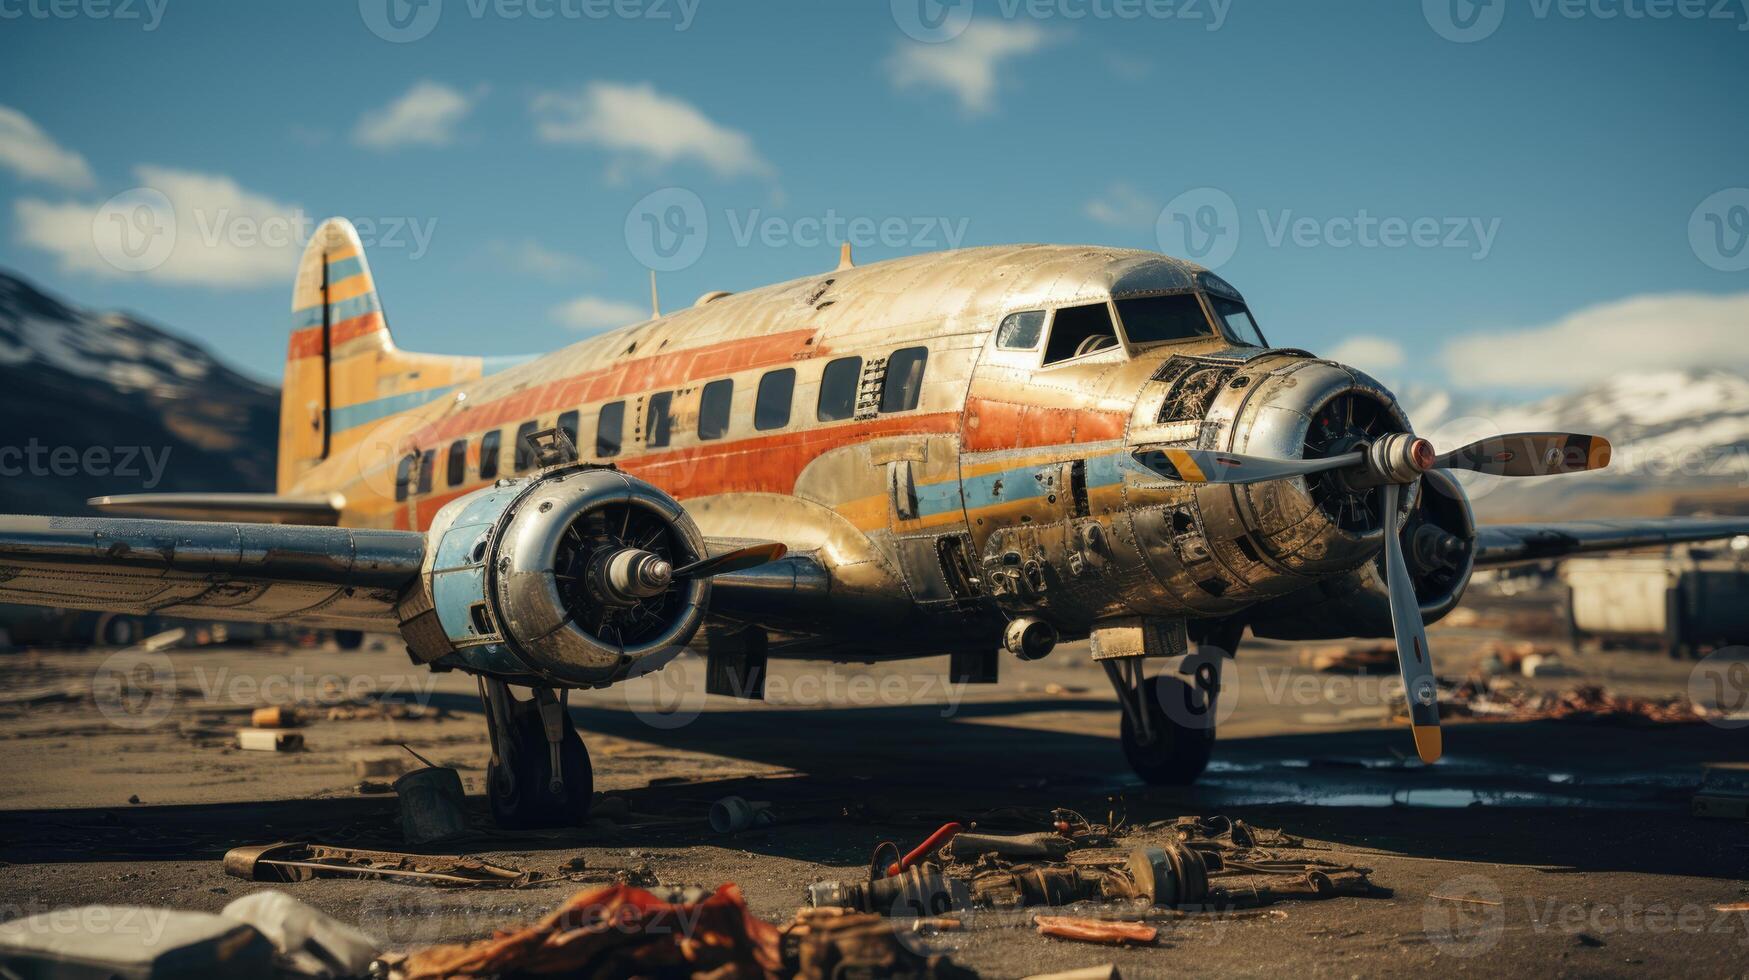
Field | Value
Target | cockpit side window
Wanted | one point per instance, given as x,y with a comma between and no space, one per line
1021,331
1159,319
1240,326
1080,330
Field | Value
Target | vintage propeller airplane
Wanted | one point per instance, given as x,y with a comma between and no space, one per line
944,454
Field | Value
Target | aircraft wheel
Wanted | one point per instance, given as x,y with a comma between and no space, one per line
1171,753
349,639
527,801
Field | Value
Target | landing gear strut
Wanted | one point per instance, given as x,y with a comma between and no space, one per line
1168,722
540,774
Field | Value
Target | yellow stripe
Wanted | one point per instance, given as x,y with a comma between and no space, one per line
1186,466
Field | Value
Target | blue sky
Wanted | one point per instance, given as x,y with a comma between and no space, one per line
1577,175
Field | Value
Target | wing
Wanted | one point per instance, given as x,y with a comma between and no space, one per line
1508,544
329,577
253,508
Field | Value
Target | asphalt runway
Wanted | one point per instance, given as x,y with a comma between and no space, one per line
1541,848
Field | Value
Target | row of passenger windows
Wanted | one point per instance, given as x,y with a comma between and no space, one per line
901,391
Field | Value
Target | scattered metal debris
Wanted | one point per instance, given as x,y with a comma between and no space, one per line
732,814
828,943
287,862
1500,699
1104,971
269,740
1095,930
618,931
1199,863
432,804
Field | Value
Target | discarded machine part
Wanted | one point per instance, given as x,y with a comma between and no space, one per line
134,943
918,891
432,803
1169,877
923,850
275,717
828,943
269,740
732,814
1104,971
1029,638
618,931
306,942
287,862
1095,930
1048,844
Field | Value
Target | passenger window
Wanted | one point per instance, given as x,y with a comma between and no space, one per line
776,390
608,427
1154,319
1021,331
568,424
659,419
524,453
456,468
713,409
904,382
1080,330
489,455
427,468
838,389
404,476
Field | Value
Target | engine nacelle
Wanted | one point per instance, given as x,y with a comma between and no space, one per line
564,578
1439,543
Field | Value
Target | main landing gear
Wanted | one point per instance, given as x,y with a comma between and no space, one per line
540,774
1168,720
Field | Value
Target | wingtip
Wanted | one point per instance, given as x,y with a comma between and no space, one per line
1428,743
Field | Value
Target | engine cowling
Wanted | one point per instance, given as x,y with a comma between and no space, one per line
564,578
1439,544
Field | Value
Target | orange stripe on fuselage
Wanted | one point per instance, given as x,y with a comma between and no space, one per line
766,464
642,375
995,425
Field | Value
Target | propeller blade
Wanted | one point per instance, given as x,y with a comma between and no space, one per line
1413,655
1530,454
1208,466
738,560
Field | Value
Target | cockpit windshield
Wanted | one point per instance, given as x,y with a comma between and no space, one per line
1156,319
1240,326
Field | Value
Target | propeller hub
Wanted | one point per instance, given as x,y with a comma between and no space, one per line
631,574
1399,457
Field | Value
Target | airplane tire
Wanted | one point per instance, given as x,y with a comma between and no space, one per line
531,803
349,640
1177,754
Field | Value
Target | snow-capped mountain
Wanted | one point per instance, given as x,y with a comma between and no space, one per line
1673,432
98,403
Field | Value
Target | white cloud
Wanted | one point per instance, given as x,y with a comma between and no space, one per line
1640,333
1374,355
426,115
212,233
639,121
1122,206
31,153
531,258
595,313
968,65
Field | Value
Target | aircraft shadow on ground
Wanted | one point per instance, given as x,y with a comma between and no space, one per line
1586,796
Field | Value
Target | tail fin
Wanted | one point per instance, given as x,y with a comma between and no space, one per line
342,370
